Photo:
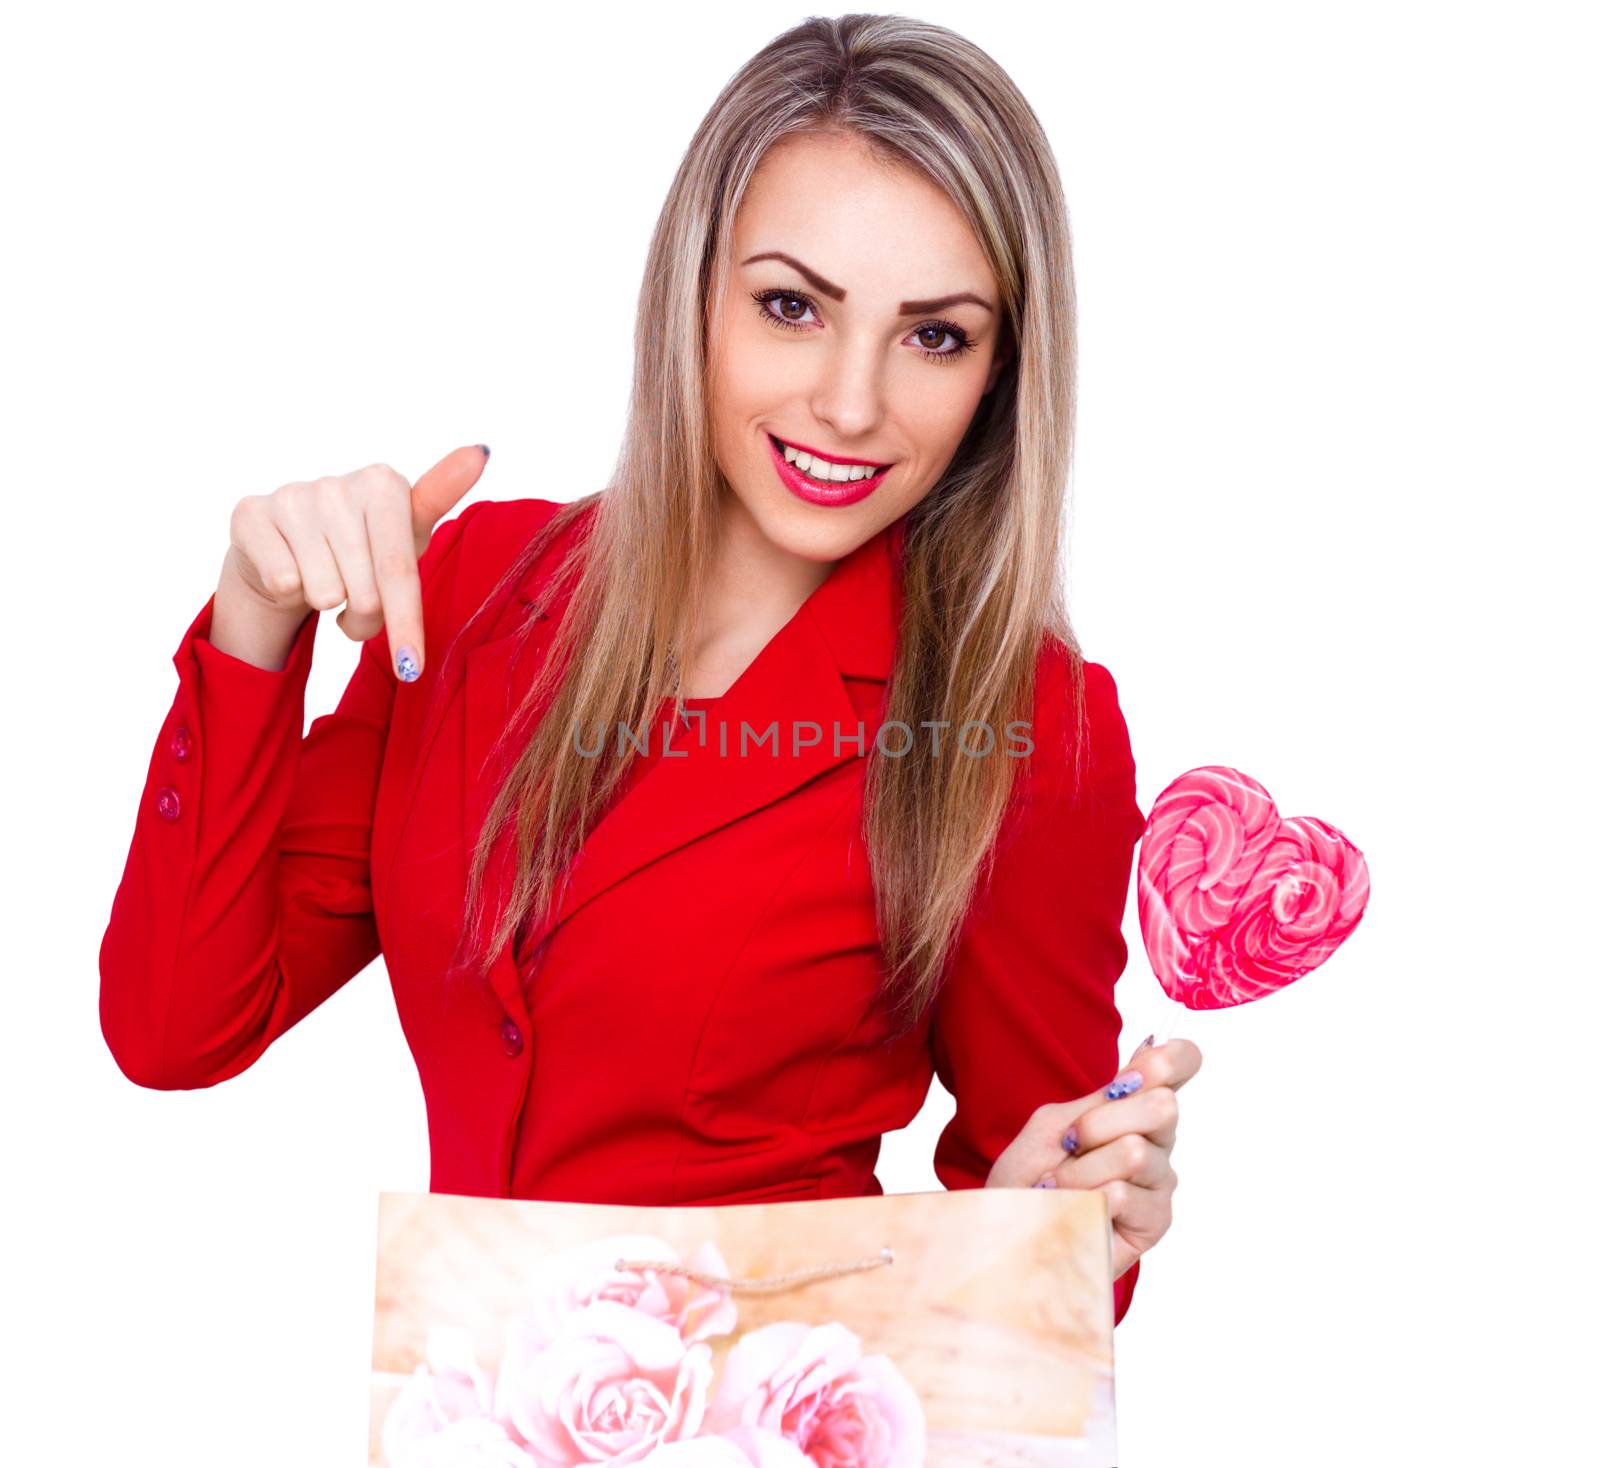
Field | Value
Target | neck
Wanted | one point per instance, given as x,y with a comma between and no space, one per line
752,589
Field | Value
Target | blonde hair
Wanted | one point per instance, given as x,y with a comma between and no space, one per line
981,563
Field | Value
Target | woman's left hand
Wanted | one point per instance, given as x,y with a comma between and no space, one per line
1120,1142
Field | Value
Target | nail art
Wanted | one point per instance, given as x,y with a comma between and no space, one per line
1147,1039
485,448
1045,1182
1124,1085
1069,1141
406,665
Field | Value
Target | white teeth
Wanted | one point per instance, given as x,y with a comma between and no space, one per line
821,469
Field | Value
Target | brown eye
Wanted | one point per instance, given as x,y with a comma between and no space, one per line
783,316
794,306
960,342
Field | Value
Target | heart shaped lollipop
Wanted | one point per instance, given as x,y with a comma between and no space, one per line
1234,901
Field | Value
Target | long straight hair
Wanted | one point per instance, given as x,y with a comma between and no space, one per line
981,556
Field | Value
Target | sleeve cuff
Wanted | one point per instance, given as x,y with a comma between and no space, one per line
1122,1291
243,685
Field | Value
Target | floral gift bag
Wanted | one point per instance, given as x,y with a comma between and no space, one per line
939,1329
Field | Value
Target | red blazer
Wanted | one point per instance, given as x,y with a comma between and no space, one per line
695,1023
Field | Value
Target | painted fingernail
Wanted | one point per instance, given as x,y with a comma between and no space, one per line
1147,1039
1069,1140
485,448
1124,1085
405,664
1045,1182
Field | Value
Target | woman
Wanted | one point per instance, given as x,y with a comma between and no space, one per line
891,832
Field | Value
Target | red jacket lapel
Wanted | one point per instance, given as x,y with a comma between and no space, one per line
845,629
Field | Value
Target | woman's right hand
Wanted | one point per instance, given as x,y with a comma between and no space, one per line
351,539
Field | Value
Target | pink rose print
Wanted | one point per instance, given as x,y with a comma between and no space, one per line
739,1447
614,1366
564,1283
469,1442
448,1387
613,1386
813,1385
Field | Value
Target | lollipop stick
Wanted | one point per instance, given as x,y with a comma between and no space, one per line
1171,1011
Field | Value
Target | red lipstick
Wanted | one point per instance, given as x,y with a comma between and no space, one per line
849,492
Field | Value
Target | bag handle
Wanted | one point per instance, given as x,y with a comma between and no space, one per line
771,1283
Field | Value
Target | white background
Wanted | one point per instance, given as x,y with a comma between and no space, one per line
1334,525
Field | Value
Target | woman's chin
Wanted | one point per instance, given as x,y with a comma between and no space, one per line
813,534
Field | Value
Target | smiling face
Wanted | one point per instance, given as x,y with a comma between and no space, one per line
860,322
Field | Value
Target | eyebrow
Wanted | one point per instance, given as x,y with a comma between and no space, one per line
837,292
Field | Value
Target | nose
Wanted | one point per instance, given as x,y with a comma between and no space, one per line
848,396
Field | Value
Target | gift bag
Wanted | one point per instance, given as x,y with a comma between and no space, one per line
896,1331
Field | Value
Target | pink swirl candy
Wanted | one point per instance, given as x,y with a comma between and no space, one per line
1234,901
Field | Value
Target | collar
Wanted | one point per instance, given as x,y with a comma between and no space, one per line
856,608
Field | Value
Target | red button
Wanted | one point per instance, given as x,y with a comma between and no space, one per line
181,744
167,804
511,1038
